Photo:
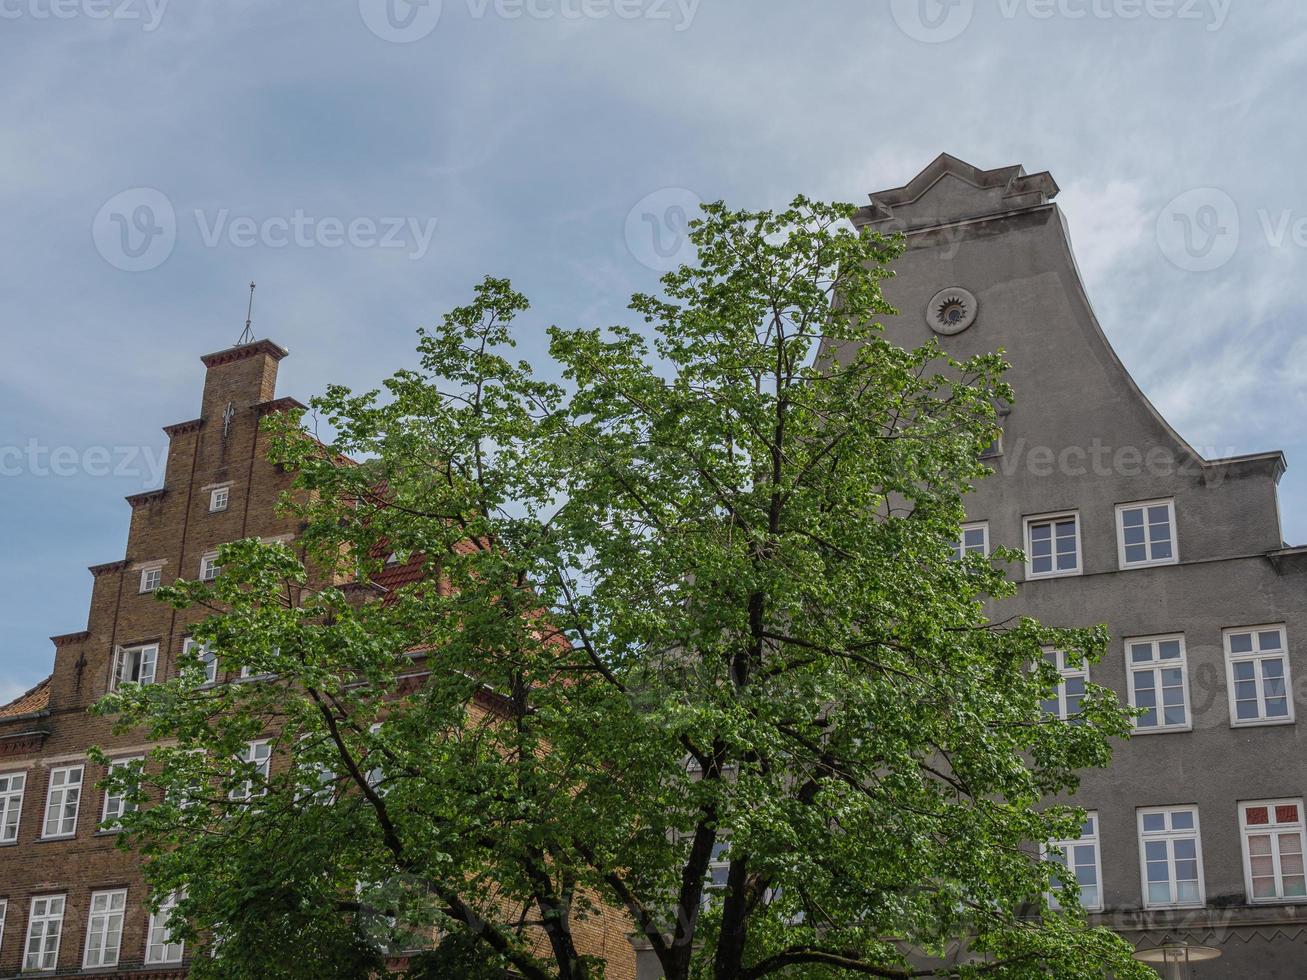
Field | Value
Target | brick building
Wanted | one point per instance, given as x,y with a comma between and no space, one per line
70,901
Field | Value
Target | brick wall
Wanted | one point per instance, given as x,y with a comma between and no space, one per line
171,529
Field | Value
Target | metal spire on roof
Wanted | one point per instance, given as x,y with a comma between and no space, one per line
247,335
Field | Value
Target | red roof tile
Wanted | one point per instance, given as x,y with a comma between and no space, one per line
37,699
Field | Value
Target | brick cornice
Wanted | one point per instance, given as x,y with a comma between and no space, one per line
279,405
113,566
149,497
67,638
275,351
178,428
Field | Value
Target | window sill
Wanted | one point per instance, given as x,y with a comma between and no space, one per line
1123,566
1169,730
1264,723
1040,576
54,840
1173,908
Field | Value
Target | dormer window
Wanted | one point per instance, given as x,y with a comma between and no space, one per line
218,499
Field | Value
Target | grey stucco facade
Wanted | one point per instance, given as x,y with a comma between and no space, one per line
1081,439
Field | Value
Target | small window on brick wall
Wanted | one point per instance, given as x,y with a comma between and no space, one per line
218,499
151,578
209,567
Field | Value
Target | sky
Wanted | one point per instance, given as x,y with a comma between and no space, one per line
368,161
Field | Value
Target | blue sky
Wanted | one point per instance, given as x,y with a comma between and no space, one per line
385,156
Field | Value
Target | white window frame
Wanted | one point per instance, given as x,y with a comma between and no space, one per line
205,651
209,567
120,655
11,805
1256,657
219,499
103,954
114,805
258,753
1170,836
1150,561
1093,838
45,918
1156,664
1052,519
960,545
151,578
1274,830
4,913
158,943
1066,672
64,790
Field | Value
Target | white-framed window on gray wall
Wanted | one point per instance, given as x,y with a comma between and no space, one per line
1065,703
12,787
1170,857
1082,859
1273,845
974,540
1145,534
1257,675
1053,545
1158,677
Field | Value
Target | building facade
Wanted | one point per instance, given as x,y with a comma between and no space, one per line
1194,847
70,901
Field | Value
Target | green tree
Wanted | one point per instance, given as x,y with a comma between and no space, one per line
689,640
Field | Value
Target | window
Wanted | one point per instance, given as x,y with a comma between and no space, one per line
134,665
1171,857
208,659
116,804
104,928
1145,534
44,927
1273,842
151,578
4,909
974,540
62,801
377,774
159,946
719,866
1081,859
218,499
1052,546
259,755
1257,674
11,805
1065,703
209,567
1159,683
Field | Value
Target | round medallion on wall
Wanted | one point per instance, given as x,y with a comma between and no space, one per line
951,311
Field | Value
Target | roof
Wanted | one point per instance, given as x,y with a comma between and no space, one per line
37,699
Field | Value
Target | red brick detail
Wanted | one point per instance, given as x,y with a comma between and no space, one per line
274,351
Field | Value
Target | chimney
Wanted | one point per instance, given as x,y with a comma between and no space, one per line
239,378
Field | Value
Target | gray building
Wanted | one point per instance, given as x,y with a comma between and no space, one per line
1194,849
